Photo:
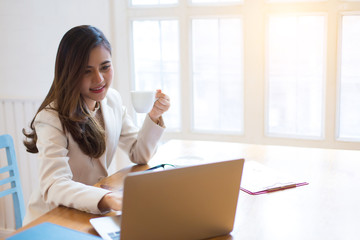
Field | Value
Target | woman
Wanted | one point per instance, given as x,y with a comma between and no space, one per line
79,124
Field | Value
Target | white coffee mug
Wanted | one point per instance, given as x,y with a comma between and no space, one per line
142,101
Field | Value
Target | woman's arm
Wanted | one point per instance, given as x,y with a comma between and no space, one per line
56,177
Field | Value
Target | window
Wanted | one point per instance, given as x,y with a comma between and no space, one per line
152,2
349,104
217,74
255,71
289,1
156,62
216,1
296,76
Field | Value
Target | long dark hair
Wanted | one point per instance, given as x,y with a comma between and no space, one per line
64,95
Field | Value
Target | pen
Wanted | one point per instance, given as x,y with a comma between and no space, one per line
159,166
269,190
281,188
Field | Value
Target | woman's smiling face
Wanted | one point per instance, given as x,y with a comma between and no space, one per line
98,76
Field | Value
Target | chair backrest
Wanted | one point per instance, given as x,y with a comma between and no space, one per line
6,142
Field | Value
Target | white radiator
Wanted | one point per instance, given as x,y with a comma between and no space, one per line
16,114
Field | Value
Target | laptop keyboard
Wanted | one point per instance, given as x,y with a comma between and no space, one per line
114,235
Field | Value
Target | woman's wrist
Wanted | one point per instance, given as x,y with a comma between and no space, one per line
103,205
159,121
110,201
155,119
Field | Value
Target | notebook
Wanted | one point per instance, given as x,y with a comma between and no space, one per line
47,230
194,202
259,179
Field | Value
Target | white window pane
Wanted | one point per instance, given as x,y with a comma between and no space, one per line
274,1
156,62
296,76
217,54
350,79
152,2
217,1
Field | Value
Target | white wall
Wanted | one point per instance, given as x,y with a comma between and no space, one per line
30,32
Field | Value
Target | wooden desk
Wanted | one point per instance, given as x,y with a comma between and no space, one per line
327,208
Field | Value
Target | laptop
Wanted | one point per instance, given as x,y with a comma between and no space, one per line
193,202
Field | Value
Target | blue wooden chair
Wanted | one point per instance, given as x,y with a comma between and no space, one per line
6,141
